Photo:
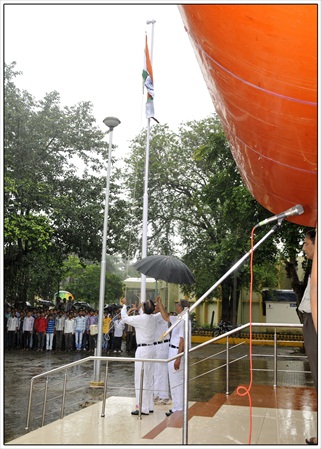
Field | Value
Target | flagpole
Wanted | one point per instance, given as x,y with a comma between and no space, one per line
145,201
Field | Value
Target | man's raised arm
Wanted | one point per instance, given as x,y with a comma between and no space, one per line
162,310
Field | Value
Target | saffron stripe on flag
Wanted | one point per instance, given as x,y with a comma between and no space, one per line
148,82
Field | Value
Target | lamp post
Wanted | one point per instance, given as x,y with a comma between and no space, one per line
111,122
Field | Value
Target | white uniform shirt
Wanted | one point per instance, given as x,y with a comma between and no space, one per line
144,325
305,304
160,327
178,331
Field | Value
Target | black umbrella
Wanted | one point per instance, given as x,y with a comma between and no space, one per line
166,268
111,307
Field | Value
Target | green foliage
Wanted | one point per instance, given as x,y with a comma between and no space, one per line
34,231
199,204
48,202
84,282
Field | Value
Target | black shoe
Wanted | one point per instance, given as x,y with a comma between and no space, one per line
169,413
312,440
136,412
151,411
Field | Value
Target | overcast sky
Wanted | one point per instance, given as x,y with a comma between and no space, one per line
95,53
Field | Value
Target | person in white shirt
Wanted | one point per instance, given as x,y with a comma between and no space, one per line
69,332
145,336
12,328
161,381
27,330
176,346
119,327
314,285
60,323
309,331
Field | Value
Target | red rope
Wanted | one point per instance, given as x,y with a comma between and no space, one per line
241,389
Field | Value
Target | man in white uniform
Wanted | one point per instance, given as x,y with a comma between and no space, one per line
176,346
145,336
161,383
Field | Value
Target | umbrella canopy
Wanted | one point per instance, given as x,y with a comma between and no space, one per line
62,294
111,307
166,268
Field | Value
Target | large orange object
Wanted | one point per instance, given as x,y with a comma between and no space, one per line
260,66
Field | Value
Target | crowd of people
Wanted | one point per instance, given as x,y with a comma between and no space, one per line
54,330
136,330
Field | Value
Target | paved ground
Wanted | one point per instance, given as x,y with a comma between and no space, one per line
20,367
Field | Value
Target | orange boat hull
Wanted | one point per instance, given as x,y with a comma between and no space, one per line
260,66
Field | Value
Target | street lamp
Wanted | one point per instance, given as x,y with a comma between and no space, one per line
111,122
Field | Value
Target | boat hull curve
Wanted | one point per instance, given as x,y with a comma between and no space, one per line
260,66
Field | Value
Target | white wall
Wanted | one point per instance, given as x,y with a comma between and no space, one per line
281,312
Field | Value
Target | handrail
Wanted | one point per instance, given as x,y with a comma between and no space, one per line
244,326
133,359
80,362
187,310
226,335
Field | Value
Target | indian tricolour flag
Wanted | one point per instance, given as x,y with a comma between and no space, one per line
148,83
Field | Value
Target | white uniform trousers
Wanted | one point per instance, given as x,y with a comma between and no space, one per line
146,352
161,371
176,379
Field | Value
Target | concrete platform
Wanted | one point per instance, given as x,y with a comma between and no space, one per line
278,416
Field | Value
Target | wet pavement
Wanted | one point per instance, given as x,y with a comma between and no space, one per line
21,366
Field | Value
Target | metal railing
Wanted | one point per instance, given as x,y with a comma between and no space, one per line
185,315
67,368
237,330
63,369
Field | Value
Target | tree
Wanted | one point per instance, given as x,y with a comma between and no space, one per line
51,208
160,205
84,281
197,201
198,206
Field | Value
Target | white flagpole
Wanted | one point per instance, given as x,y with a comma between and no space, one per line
145,203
